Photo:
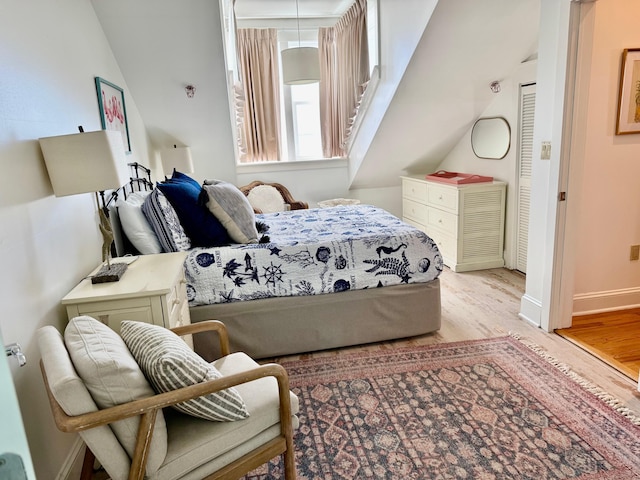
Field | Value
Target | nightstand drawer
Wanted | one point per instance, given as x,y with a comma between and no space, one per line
415,211
113,313
443,197
445,221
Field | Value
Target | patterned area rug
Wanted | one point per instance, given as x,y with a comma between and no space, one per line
486,409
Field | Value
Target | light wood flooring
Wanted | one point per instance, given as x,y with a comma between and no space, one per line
613,337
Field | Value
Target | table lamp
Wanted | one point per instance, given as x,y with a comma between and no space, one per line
178,158
84,163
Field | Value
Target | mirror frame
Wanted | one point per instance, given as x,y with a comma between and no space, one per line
500,152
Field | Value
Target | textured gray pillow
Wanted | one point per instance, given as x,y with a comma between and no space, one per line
170,364
229,205
113,377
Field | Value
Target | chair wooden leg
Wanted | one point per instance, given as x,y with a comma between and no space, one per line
87,465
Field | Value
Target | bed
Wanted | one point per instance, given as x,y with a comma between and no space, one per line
317,279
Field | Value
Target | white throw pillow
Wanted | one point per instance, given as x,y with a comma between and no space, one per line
113,377
170,364
135,224
266,198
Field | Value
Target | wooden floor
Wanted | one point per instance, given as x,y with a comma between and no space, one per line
614,337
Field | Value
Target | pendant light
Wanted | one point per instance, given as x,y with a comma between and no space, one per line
300,65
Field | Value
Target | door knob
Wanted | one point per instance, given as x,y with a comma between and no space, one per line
15,350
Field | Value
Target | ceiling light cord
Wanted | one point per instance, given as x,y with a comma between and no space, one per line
298,21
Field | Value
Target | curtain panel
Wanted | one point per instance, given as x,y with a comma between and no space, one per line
344,75
258,95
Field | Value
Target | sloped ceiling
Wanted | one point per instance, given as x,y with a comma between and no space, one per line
466,46
162,45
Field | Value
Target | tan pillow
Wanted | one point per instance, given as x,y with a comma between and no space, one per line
113,377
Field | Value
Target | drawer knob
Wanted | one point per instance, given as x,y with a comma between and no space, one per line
440,197
439,220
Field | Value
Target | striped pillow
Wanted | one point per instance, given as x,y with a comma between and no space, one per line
169,364
165,222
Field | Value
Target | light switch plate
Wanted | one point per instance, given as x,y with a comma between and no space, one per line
545,153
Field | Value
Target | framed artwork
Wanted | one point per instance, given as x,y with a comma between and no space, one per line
628,120
113,113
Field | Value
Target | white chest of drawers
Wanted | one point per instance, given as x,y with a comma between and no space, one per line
152,290
465,221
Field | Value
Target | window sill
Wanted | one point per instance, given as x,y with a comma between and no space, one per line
291,166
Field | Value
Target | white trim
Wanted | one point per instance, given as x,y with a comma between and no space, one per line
607,301
261,167
530,310
72,465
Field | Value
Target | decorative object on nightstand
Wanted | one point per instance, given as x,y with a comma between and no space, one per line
84,163
176,158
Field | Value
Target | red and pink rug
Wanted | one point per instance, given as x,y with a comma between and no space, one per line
486,409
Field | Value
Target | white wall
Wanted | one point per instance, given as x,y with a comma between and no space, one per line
462,159
50,53
608,221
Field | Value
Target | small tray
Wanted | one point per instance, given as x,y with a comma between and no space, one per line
456,178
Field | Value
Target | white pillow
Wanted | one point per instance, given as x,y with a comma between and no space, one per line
266,198
113,377
136,226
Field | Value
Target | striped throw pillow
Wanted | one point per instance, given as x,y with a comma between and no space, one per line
165,222
169,364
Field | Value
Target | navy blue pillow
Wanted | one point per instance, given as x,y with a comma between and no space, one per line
200,225
181,177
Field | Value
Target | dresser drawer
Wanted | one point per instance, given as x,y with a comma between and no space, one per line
443,197
414,210
414,190
446,243
445,221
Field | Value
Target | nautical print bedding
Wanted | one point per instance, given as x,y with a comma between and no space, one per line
314,252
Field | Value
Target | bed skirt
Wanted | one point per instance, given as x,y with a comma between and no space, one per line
280,326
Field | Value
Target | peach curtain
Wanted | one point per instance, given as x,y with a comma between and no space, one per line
344,74
258,98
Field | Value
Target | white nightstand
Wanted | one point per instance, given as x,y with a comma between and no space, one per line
152,290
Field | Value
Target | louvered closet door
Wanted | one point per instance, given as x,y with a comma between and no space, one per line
527,114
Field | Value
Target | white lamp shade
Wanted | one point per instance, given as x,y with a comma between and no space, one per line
178,158
300,65
85,162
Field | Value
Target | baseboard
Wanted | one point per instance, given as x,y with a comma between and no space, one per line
72,466
530,310
608,301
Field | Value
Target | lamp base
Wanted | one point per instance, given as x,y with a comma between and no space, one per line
110,274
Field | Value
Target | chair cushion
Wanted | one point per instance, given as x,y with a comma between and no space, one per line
113,377
231,207
198,448
71,393
165,223
266,198
170,364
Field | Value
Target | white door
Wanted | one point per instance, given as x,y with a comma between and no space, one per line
15,458
525,148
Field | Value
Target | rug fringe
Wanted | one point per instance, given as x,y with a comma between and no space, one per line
607,398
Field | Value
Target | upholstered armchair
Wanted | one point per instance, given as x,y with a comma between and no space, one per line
162,443
271,197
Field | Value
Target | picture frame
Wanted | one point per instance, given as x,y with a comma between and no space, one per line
113,112
628,118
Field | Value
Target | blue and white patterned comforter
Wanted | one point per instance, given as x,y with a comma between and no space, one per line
313,252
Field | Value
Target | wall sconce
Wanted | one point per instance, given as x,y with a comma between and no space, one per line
495,86
191,91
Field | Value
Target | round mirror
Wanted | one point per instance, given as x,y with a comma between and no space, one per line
491,137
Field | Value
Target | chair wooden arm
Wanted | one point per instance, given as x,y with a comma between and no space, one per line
206,326
148,409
